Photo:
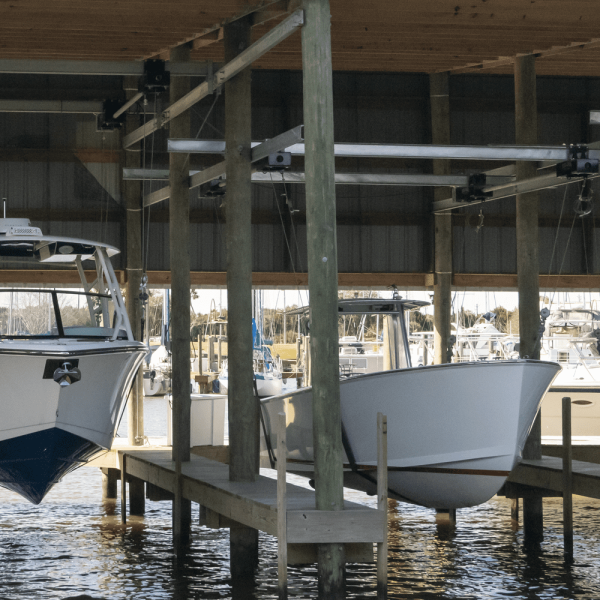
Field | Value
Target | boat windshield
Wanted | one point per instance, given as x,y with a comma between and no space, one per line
28,313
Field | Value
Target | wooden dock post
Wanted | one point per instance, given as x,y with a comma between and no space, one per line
179,240
281,507
244,418
567,480
514,512
528,269
137,496
109,483
132,195
442,285
123,465
323,282
382,504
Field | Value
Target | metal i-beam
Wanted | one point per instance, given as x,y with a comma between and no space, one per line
258,153
400,179
523,186
238,64
95,67
428,151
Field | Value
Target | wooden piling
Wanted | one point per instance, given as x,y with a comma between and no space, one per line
123,467
514,511
133,200
528,267
179,234
442,287
567,480
281,507
137,496
323,280
382,504
244,432
109,483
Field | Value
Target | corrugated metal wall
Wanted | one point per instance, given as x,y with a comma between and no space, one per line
381,229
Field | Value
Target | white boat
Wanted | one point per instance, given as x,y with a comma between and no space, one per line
67,361
157,365
572,339
268,371
455,431
268,374
157,371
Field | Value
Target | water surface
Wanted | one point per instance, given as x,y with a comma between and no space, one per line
74,544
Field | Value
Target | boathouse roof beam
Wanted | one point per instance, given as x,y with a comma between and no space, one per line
259,152
425,151
533,184
279,33
403,179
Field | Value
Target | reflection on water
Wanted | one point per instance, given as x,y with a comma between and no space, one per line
73,544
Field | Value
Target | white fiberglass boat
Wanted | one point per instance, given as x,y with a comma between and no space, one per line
572,339
268,371
67,361
455,431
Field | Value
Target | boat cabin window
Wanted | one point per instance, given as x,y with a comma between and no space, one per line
56,314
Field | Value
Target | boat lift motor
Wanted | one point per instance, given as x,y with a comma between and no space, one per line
579,165
474,190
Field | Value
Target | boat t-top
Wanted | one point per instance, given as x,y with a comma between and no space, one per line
67,361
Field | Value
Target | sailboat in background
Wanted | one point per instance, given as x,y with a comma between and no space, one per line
268,370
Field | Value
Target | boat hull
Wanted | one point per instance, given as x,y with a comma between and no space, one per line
51,428
454,431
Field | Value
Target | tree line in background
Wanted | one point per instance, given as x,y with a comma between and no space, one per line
350,325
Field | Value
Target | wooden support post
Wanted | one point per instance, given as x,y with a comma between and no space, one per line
109,483
137,496
528,268
123,465
514,511
133,199
567,480
322,281
179,233
445,516
281,507
244,423
243,407
382,504
442,286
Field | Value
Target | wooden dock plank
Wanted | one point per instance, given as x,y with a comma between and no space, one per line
547,473
254,504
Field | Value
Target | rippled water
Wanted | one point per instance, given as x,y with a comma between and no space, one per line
74,545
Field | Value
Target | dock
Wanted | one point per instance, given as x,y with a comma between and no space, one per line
547,473
254,504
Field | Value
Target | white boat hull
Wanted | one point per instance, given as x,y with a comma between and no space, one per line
454,431
48,430
267,384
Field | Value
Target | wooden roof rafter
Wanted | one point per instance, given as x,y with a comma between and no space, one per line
508,60
262,12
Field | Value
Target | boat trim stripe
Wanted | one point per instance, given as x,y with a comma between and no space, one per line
61,353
